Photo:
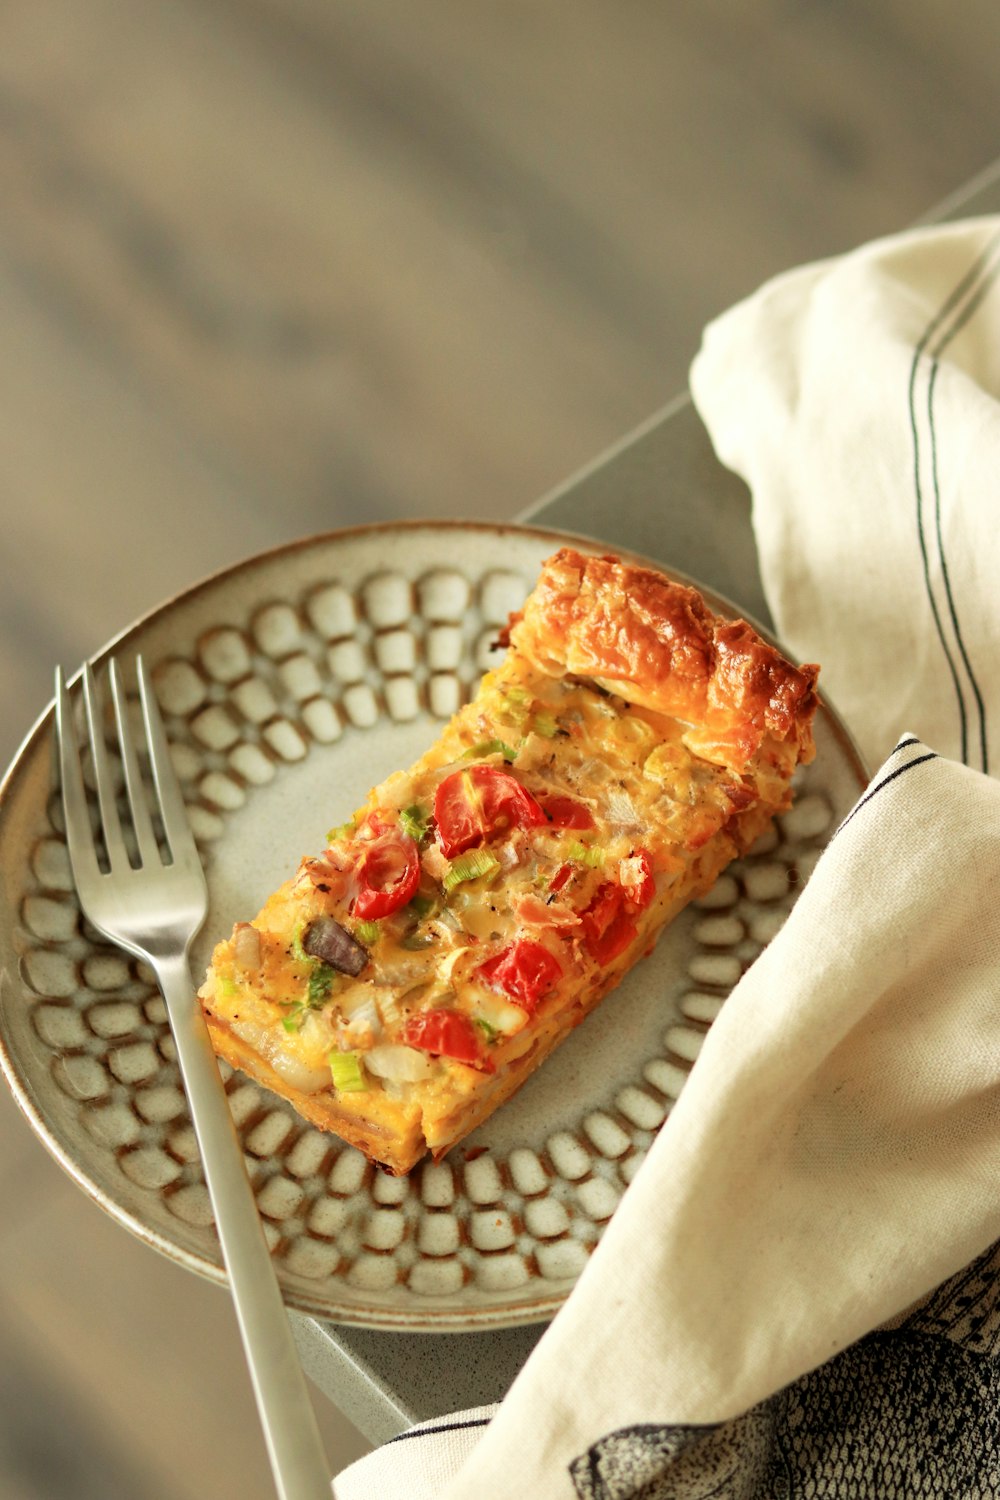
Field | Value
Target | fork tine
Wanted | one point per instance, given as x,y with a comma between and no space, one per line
176,825
79,836
141,820
111,823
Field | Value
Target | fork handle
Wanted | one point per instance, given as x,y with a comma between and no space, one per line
293,1442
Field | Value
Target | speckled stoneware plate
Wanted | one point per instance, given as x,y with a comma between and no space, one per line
290,684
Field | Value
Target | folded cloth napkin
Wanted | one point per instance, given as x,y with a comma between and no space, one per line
799,1293
860,400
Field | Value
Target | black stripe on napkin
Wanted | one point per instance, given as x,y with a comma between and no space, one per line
984,759
960,306
419,1432
918,760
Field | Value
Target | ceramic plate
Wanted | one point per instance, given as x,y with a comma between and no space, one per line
290,684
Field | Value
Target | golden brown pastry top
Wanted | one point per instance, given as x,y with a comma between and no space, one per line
656,643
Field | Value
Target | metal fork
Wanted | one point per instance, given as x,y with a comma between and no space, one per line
154,910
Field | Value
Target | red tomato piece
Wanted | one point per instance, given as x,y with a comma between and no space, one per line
608,927
447,1034
640,887
566,812
560,878
524,970
387,874
473,806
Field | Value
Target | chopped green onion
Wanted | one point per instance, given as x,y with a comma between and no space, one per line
489,1032
227,985
318,988
490,747
347,1073
546,725
422,906
368,933
297,1012
583,854
319,985
470,866
298,952
342,831
413,821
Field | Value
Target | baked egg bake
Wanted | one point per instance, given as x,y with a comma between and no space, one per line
410,976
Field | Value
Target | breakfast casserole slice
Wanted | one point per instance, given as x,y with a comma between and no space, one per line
409,978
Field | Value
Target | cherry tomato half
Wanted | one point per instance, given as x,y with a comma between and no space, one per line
609,921
566,812
524,970
608,927
473,806
447,1034
387,874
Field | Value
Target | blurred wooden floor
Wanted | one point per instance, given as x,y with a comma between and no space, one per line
269,267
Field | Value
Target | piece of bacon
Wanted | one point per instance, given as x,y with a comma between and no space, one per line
326,877
533,911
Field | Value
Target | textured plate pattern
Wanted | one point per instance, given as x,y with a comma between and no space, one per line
289,686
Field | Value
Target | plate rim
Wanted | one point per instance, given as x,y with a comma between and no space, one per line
416,1320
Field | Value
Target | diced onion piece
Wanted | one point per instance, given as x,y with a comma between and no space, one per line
255,1036
267,1043
445,972
388,1005
402,969
246,946
593,772
622,810
314,1034
399,1064
392,1003
300,1075
365,1017
499,1013
508,855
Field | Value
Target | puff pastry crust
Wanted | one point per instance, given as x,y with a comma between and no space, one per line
655,642
405,981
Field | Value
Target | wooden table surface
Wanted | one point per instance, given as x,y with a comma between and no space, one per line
269,267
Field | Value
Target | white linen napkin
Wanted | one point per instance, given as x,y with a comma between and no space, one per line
835,1154
860,400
